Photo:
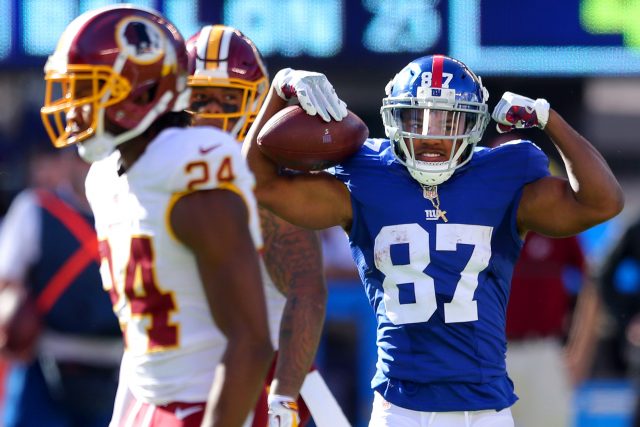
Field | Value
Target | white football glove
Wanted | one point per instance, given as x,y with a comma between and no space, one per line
283,411
519,112
313,91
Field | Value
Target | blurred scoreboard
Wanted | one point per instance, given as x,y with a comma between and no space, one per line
493,37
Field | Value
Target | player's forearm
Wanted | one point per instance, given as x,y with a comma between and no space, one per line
293,257
592,181
300,333
264,169
237,383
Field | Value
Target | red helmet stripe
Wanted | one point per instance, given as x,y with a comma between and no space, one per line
436,71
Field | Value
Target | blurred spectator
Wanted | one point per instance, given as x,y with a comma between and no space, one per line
48,247
47,168
39,165
540,320
620,288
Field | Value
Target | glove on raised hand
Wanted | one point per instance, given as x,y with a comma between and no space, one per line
283,411
519,112
313,91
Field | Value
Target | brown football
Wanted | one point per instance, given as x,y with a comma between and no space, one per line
296,140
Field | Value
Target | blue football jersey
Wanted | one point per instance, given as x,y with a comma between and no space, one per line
439,289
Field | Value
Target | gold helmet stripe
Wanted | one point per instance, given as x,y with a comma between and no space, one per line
218,49
213,47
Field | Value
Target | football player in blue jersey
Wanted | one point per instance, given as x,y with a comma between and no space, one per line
436,225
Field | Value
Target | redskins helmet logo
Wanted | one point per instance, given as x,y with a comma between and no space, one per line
141,39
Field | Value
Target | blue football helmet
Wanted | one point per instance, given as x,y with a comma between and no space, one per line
434,98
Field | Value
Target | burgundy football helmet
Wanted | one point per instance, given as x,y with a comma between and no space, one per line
223,57
124,63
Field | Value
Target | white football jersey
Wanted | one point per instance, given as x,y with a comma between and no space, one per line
172,343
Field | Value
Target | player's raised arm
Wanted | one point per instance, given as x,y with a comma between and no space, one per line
309,200
556,206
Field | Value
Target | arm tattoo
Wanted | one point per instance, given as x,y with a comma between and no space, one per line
293,257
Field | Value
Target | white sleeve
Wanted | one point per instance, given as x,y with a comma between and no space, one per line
20,237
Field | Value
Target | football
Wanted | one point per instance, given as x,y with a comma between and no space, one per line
296,140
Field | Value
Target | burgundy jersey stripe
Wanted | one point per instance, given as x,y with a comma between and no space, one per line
436,71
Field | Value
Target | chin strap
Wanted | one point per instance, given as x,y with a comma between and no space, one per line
96,148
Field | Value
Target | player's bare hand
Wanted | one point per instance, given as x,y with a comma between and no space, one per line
283,411
519,112
313,91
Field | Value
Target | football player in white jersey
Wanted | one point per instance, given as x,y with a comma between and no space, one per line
176,220
229,82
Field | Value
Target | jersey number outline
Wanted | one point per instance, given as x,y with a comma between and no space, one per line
462,307
144,296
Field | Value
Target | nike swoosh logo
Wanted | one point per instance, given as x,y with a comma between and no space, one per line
208,149
182,413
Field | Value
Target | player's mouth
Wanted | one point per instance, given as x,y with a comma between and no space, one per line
432,157
76,132
72,128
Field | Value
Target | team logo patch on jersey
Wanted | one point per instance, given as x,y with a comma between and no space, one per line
430,192
205,150
432,214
